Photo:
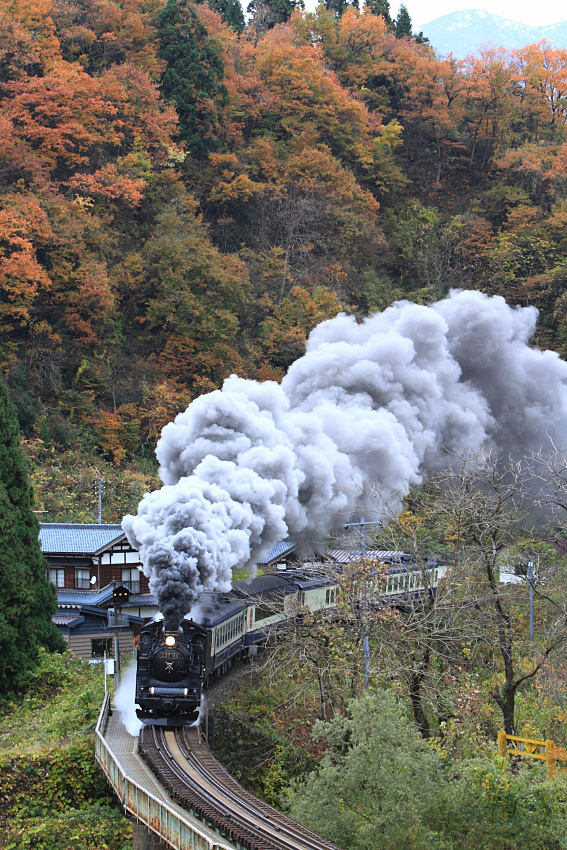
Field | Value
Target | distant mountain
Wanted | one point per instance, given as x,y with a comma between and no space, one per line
461,33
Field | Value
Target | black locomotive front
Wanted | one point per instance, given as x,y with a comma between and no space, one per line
170,673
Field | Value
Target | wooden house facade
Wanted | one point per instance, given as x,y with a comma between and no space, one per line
90,557
89,630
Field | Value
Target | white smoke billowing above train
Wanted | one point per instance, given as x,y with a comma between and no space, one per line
377,401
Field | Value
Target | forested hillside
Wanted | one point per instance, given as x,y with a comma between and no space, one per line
182,197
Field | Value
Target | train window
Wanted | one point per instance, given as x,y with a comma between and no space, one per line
262,612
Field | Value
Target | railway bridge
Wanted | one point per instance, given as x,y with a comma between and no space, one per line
181,797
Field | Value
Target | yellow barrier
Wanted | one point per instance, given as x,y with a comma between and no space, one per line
543,750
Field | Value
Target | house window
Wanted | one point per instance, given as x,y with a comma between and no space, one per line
83,579
57,577
99,646
131,578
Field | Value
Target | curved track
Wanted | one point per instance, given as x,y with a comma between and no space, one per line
200,783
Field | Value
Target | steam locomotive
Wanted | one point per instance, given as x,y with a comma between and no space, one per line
173,667
170,672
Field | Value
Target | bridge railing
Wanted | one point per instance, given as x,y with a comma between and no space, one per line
514,745
162,819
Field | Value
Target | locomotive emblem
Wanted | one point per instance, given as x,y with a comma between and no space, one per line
169,666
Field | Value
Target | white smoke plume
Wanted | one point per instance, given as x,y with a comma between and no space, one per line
124,701
377,401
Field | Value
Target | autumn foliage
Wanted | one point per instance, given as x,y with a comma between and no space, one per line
180,199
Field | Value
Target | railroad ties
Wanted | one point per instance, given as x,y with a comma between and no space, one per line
185,766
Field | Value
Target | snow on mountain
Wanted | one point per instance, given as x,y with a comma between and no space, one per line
462,33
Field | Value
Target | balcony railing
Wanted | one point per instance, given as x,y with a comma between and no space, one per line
117,619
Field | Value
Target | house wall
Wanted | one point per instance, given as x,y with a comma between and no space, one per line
79,641
104,568
80,644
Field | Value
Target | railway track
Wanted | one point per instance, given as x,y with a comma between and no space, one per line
199,783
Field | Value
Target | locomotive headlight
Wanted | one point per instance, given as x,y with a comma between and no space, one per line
170,640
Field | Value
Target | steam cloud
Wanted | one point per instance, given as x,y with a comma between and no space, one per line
248,465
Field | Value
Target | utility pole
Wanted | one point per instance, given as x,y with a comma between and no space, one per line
531,592
360,527
98,490
116,639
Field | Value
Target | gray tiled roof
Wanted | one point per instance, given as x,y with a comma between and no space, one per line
76,538
343,556
67,618
75,598
140,600
280,550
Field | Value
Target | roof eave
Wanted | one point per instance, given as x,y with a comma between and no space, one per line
109,545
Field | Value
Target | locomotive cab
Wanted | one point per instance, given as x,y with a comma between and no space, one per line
169,674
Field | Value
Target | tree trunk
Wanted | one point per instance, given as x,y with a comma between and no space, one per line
415,680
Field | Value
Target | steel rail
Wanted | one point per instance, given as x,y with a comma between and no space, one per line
231,804
200,757
191,796
186,767
171,825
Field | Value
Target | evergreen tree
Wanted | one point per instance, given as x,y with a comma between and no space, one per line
231,13
27,599
340,6
193,77
381,7
403,23
268,13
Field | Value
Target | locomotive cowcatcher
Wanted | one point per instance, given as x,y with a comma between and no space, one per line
170,673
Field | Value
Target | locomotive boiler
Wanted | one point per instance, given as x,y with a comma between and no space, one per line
170,673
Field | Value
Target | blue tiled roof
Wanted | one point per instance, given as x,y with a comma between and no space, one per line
74,598
76,538
65,618
280,550
140,600
343,556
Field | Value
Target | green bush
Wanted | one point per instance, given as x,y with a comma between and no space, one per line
61,705
93,827
380,786
38,785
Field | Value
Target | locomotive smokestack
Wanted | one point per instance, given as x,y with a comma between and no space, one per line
380,401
